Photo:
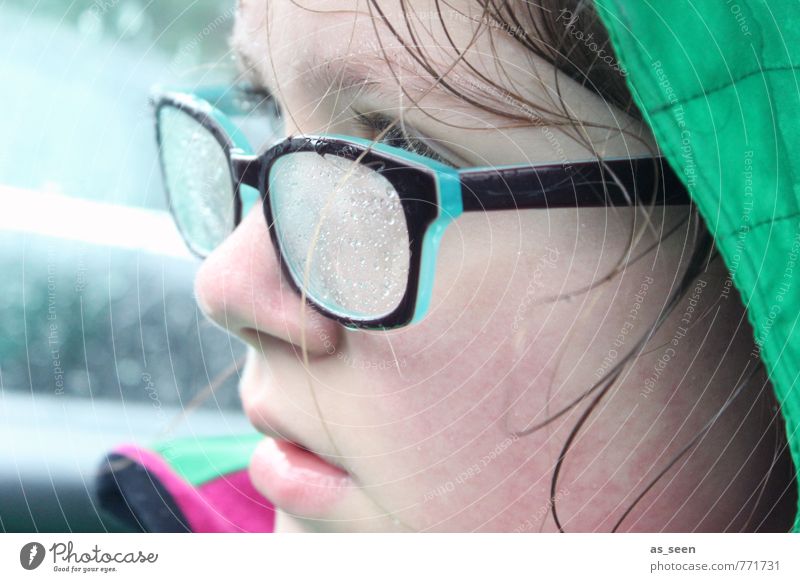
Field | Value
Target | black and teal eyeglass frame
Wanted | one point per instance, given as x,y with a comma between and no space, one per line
432,193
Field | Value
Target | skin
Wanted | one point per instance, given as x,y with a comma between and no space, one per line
512,336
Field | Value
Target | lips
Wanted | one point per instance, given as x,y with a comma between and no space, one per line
295,479
283,467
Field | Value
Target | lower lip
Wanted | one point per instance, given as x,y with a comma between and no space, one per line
296,480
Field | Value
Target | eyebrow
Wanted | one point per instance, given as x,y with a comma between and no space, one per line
379,75
375,76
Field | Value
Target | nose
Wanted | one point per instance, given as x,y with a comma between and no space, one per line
241,288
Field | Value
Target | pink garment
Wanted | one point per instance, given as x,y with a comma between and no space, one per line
228,503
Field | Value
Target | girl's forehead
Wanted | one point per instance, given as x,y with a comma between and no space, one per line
320,57
467,70
311,40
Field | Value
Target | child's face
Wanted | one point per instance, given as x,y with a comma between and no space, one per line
424,418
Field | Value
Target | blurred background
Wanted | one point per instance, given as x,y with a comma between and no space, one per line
101,342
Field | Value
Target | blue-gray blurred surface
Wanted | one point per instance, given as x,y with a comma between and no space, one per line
97,315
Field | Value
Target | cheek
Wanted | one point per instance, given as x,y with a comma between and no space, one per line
478,368
437,404
495,313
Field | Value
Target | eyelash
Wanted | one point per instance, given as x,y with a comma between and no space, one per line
376,124
397,137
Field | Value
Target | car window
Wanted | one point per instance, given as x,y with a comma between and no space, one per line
101,338
97,298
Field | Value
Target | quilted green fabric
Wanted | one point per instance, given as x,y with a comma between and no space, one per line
199,460
718,83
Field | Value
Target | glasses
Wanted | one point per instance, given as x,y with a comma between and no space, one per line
356,224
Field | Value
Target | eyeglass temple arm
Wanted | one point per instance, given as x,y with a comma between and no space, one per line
644,180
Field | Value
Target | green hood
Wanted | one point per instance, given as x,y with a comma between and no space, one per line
718,85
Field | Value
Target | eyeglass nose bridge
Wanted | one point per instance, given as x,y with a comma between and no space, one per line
245,169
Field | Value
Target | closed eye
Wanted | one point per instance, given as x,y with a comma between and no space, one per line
399,135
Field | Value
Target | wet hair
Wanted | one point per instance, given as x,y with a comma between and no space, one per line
569,35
